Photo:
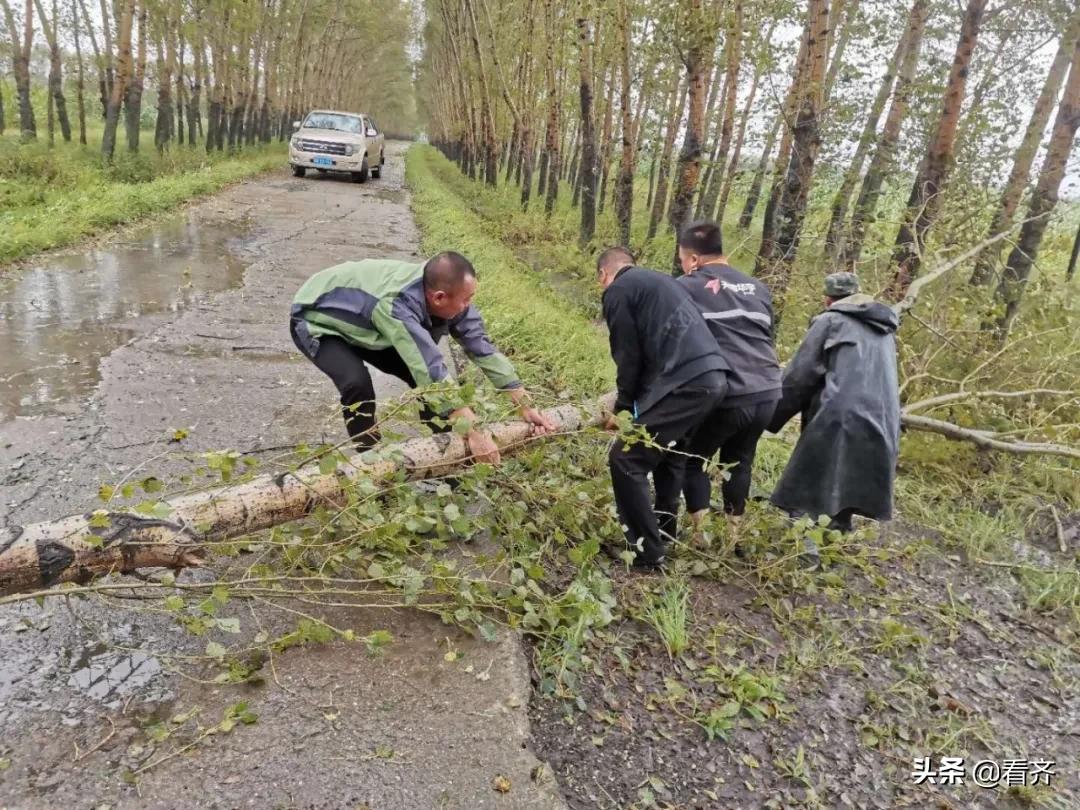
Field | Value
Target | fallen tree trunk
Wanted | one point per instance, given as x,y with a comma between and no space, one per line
82,547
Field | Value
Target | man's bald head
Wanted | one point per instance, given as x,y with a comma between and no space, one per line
449,284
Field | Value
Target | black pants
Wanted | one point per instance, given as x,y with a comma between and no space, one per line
734,432
346,365
670,422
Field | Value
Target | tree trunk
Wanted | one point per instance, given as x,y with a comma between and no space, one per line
1017,270
1025,153
487,121
164,125
624,185
925,199
734,59
701,38
882,161
56,82
104,78
553,165
109,54
717,89
1070,271
588,137
788,112
80,547
133,97
838,215
125,14
754,192
806,142
736,152
80,85
20,61
674,120
195,99
606,141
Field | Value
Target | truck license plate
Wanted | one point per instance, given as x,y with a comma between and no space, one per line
323,161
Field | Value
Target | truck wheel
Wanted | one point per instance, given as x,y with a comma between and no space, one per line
362,175
298,171
377,170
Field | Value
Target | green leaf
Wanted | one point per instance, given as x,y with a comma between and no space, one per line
105,492
231,625
215,650
174,603
99,519
151,484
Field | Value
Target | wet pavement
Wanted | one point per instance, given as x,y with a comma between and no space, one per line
184,325
58,319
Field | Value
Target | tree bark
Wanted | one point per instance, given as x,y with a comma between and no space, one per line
1025,153
125,14
806,142
163,127
81,547
1070,271
788,112
701,40
660,195
56,81
588,136
885,152
753,194
553,165
733,51
20,59
838,215
924,202
80,82
491,152
1017,270
624,184
133,97
104,78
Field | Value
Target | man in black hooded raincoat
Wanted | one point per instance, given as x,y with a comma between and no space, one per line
843,381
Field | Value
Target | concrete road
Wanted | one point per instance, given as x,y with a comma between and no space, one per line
80,683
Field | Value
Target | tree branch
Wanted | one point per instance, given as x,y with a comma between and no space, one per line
984,439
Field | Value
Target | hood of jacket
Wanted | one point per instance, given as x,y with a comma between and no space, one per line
864,308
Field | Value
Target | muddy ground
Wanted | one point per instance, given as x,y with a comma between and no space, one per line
183,324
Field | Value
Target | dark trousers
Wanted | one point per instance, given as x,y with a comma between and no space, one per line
670,422
346,365
734,433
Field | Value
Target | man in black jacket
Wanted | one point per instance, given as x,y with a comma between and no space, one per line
738,310
670,375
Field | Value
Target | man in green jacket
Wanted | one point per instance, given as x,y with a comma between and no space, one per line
391,315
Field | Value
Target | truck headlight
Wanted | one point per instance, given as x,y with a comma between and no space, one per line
350,150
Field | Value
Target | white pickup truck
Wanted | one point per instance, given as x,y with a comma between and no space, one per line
332,141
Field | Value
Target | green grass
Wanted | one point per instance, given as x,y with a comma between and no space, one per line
52,197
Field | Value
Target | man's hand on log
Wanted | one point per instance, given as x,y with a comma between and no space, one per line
482,446
542,425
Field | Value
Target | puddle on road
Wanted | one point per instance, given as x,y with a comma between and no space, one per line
104,674
60,318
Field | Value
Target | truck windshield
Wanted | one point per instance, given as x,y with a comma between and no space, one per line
343,123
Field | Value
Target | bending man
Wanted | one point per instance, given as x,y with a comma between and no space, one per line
670,376
391,315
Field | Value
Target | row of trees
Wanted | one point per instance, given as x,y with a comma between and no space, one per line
225,72
598,92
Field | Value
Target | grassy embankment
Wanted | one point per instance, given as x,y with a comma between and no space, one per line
884,655
52,197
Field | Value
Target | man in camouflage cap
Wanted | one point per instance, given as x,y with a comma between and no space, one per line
843,381
841,285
